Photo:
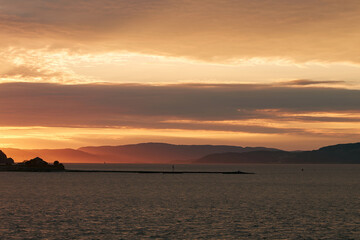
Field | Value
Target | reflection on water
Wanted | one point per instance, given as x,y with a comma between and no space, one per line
279,201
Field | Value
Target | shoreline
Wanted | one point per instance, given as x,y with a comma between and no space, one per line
158,172
33,169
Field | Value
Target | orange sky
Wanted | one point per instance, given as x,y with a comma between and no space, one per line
278,73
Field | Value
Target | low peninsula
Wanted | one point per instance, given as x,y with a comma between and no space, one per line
39,165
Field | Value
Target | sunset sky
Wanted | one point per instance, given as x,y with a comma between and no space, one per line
274,73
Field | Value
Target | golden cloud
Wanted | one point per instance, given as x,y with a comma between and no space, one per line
211,30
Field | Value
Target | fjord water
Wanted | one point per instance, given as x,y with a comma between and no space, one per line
278,202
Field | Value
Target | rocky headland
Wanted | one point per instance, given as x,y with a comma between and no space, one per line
33,165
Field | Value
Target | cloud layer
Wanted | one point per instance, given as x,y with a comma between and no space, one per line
192,106
86,41
210,30
253,114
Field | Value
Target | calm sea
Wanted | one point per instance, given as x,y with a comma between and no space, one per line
278,202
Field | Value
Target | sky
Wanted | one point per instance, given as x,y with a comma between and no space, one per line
274,73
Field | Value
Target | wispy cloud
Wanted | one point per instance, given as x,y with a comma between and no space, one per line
212,30
307,82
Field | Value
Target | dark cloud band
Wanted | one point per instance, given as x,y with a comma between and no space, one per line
149,106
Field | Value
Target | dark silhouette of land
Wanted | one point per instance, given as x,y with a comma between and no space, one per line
4,160
134,153
34,165
341,153
154,172
39,165
163,152
173,154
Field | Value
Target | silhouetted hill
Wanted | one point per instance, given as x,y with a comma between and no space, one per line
341,153
134,153
33,165
247,157
4,160
342,148
169,153
162,152
63,155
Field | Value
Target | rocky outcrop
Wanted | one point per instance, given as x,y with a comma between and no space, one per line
4,160
38,163
34,165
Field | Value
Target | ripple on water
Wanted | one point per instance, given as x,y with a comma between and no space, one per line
279,202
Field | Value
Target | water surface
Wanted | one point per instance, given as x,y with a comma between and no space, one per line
278,202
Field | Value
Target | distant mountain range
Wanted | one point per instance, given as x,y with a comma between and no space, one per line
169,153
341,153
134,153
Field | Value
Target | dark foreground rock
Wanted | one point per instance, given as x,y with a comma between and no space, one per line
34,165
4,160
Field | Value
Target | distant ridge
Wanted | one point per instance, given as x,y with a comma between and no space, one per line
341,153
133,153
163,152
171,154
63,155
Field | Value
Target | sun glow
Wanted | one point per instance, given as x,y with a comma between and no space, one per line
211,72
